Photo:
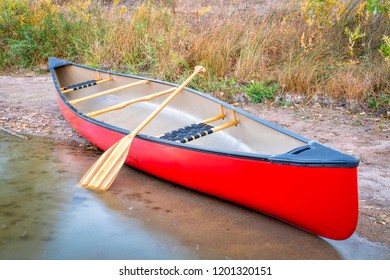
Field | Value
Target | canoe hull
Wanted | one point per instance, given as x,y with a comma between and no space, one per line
320,200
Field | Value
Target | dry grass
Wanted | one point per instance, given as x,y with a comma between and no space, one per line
329,50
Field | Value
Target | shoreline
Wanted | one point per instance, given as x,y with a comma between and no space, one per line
29,107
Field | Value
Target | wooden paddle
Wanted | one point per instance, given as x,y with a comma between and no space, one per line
103,172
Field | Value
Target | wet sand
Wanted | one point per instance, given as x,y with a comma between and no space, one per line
211,227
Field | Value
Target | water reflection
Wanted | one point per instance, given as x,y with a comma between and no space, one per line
45,215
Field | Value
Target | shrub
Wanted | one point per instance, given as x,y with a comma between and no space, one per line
385,48
258,92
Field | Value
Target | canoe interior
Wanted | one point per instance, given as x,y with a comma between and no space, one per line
248,136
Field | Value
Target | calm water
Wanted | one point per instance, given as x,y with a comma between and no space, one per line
44,214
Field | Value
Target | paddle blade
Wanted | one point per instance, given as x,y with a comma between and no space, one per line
103,172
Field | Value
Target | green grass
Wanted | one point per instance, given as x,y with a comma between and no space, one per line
258,92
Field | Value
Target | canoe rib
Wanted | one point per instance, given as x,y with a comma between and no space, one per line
132,101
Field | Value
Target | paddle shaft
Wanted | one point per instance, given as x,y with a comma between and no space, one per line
198,69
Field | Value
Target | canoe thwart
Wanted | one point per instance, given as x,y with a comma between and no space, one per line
132,101
75,101
197,130
85,84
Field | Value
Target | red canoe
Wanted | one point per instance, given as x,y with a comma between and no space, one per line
207,145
